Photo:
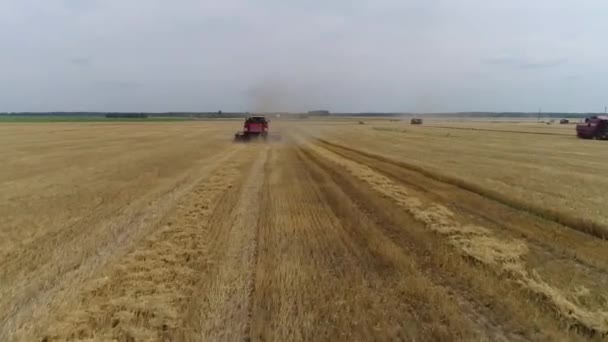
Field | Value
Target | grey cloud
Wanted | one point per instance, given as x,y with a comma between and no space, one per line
80,61
357,55
502,60
551,63
525,62
573,77
121,85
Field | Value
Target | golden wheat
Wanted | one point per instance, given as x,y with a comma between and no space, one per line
383,231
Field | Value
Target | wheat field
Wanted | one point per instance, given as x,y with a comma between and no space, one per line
169,231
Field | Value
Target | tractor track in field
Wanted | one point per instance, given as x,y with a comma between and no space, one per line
566,134
488,325
547,235
269,158
229,286
185,279
316,278
583,225
124,228
344,240
552,250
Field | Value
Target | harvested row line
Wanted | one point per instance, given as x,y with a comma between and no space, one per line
506,256
325,272
145,295
75,254
584,225
495,309
227,285
568,134
573,248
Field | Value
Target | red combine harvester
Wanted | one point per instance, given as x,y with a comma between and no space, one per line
595,127
255,127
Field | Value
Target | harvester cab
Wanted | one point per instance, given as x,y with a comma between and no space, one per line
595,127
255,127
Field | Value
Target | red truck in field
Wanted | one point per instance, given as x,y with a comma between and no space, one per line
255,127
595,127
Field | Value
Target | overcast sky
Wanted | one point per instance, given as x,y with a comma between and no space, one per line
341,55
